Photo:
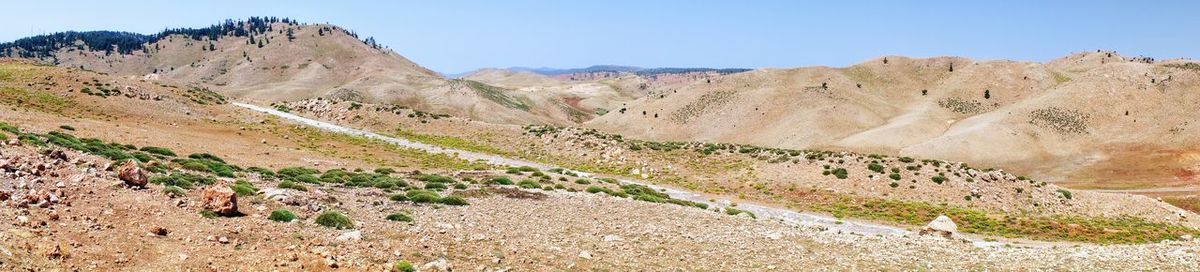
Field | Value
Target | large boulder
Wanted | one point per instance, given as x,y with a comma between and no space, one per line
132,175
219,199
941,226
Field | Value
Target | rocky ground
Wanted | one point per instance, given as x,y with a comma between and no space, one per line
73,211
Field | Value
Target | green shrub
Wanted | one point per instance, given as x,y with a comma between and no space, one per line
423,196
527,169
595,189
894,185
894,176
398,197
158,151
403,266
453,201
183,180
208,214
67,127
399,217
460,186
733,211
528,184
906,159
306,178
334,220
243,188
10,128
1065,194
385,171
282,216
435,179
582,181
174,191
142,157
501,181
938,179
206,156
876,168
840,173
291,185
291,172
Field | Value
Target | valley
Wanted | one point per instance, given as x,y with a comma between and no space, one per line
271,144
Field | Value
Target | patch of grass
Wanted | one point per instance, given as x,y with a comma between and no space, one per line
449,142
528,184
243,188
400,217
403,266
291,185
162,151
174,191
37,100
334,220
183,180
1103,230
423,196
501,181
733,211
282,216
453,201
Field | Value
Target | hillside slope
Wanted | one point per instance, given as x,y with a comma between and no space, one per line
268,61
1088,118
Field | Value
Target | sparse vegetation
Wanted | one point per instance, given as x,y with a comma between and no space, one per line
282,216
1065,121
400,217
334,220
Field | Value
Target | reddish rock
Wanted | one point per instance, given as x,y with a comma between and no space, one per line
132,174
220,199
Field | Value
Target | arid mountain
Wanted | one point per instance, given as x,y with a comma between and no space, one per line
271,60
1089,118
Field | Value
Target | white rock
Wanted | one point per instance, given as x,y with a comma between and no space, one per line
585,254
943,223
350,236
611,238
439,265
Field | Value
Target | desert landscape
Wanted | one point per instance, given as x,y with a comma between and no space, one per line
268,144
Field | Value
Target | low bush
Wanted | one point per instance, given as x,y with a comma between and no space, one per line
501,181
401,217
282,216
528,184
582,181
403,266
453,201
291,185
733,211
183,180
875,167
243,188
334,220
158,151
174,191
938,179
423,196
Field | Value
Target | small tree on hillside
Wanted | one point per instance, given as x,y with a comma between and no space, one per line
987,94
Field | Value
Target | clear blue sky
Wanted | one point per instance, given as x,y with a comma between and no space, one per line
456,36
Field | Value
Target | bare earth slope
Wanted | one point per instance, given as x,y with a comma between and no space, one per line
1094,119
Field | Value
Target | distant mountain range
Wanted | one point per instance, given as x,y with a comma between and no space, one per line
613,69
